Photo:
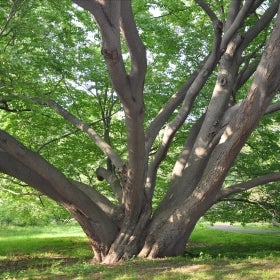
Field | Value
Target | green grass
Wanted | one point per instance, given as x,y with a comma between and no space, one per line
218,243
62,252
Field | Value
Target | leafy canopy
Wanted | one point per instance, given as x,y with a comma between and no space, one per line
51,49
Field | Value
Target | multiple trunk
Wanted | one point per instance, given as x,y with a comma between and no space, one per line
118,232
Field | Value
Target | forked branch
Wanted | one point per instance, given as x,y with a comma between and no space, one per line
21,163
260,25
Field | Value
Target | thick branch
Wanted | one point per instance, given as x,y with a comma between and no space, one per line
273,108
237,188
198,83
172,128
136,49
169,107
186,151
101,201
233,10
236,24
30,167
34,162
234,109
264,87
222,91
245,74
256,4
219,100
192,92
25,165
107,15
16,169
260,25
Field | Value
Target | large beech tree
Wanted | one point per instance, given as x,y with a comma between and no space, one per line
247,81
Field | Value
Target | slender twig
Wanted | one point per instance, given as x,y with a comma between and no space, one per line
173,12
14,9
268,207
17,193
72,132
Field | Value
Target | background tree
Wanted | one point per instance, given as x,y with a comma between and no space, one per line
53,83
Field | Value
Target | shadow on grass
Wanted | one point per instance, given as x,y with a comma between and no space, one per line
238,265
210,255
25,262
233,251
162,269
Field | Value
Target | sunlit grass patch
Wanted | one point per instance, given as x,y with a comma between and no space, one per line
206,241
63,252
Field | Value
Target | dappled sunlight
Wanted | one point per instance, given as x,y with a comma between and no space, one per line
136,144
175,217
179,166
199,151
192,269
198,194
156,269
225,269
64,258
227,133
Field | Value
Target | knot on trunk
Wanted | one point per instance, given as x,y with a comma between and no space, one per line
222,79
112,56
123,173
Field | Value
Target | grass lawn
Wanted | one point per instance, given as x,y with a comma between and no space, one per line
62,252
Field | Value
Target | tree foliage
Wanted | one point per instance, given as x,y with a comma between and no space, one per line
139,117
